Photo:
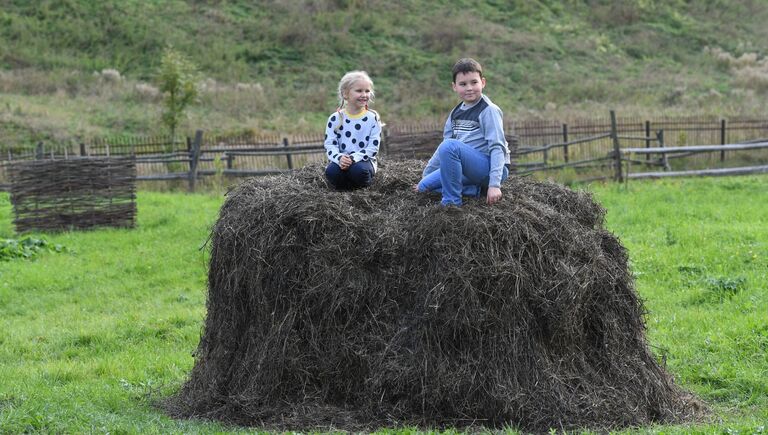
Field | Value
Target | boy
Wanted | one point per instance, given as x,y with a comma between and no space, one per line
474,154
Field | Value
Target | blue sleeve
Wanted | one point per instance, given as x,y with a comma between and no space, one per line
497,167
432,165
493,132
448,129
331,143
434,162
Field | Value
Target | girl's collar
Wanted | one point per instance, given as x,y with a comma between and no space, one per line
358,116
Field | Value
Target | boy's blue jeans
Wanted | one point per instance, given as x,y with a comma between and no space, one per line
461,170
360,174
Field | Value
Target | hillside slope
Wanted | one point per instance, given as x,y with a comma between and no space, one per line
287,56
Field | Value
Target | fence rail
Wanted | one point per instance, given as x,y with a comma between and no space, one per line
595,148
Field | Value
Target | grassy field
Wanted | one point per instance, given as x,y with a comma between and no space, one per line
94,335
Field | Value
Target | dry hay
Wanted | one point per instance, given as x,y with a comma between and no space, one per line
377,307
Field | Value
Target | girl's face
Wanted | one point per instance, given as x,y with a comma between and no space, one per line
357,96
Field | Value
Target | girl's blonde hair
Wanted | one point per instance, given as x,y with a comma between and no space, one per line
349,79
345,84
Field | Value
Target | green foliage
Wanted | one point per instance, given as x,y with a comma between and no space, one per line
178,79
26,248
534,52
722,288
273,66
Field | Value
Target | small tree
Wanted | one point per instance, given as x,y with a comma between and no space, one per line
177,78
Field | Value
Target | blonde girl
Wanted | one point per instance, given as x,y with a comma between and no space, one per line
353,134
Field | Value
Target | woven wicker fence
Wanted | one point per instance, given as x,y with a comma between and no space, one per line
77,193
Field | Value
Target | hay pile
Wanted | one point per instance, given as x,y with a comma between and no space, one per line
378,308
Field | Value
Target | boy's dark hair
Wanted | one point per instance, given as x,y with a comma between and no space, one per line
467,65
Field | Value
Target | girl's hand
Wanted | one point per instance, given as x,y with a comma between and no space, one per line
494,195
345,162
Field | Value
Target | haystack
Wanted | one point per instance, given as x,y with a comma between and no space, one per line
357,310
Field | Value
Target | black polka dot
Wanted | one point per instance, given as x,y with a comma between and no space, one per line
347,121
329,153
343,146
333,118
338,135
367,138
365,157
326,136
363,151
335,143
348,134
354,140
335,155
365,119
375,142
330,125
358,126
374,153
341,127
362,144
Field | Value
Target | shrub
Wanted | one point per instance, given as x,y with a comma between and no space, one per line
178,79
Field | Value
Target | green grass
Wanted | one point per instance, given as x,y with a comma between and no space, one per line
93,336
699,251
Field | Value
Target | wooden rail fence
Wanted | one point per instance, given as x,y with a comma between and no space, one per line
587,149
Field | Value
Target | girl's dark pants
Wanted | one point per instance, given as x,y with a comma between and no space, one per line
360,174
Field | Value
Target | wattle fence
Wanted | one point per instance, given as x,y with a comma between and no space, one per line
579,150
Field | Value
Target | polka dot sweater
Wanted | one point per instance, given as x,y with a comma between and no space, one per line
357,136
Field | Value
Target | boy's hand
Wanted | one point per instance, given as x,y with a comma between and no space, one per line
345,162
493,196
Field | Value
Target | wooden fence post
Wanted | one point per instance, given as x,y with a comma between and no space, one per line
39,151
565,141
288,156
722,139
616,147
194,158
648,135
513,146
664,159
82,149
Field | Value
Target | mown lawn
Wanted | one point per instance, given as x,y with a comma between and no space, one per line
92,337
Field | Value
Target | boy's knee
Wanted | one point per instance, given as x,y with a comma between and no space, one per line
448,147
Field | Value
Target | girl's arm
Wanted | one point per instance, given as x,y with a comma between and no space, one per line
331,142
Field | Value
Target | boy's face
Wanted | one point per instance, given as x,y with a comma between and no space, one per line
469,86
